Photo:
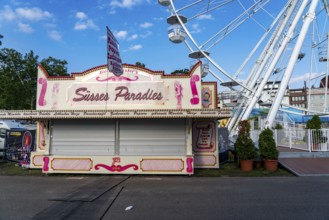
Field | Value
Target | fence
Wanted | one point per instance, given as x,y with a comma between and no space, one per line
303,139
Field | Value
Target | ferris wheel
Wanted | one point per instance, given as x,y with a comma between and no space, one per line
247,45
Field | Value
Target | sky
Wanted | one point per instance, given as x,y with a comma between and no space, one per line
75,31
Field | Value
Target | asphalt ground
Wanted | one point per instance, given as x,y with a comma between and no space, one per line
163,197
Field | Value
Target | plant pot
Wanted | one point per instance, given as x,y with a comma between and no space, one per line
246,165
271,165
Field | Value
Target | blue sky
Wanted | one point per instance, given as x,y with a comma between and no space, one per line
75,31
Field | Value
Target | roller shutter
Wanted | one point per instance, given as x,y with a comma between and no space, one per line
160,137
91,137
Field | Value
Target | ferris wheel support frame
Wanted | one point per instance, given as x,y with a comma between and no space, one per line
260,63
275,60
309,17
259,67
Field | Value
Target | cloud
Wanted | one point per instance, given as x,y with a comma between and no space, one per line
84,23
148,33
205,17
121,35
132,37
55,35
125,3
81,15
304,77
136,47
32,14
146,25
26,28
7,14
195,28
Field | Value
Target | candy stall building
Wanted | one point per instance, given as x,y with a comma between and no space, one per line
141,122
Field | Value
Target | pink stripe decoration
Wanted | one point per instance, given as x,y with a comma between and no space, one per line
71,164
41,100
45,164
37,160
164,165
205,160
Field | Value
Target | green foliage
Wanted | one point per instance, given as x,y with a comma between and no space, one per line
314,123
140,64
278,126
182,71
267,145
18,77
244,146
54,67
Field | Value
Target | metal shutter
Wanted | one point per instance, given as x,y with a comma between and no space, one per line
85,137
160,137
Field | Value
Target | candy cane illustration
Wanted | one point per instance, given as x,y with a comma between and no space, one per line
42,101
195,100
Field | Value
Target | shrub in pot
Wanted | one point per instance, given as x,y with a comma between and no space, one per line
268,150
245,147
317,137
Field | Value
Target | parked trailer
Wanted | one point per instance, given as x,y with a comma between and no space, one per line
16,141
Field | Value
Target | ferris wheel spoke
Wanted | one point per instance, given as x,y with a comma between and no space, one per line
209,10
237,22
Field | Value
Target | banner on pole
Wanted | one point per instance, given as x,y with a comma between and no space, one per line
114,63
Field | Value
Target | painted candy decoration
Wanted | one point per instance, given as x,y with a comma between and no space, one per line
116,168
117,78
178,93
45,164
189,163
195,100
41,100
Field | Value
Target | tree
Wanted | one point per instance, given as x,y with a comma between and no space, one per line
54,67
0,39
182,71
140,64
18,77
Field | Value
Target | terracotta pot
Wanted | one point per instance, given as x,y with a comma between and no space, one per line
246,165
271,165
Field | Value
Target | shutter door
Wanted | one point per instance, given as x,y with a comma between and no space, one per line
160,137
87,137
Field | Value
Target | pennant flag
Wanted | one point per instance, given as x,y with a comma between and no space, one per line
114,63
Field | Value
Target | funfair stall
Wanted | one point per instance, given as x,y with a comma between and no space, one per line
141,122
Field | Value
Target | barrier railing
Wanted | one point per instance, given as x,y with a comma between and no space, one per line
303,139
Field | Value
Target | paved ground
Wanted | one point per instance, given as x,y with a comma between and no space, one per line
164,197
306,166
304,163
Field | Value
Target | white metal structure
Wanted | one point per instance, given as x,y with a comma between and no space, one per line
281,33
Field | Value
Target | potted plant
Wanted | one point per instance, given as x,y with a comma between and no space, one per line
268,150
245,147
